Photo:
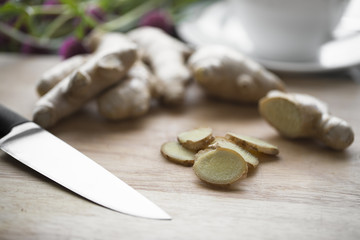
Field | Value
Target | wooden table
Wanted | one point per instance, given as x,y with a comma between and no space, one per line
308,192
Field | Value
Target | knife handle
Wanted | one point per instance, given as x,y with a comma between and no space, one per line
8,120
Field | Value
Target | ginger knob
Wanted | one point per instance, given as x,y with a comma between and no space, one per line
296,115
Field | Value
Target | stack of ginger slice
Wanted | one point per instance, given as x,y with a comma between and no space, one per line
217,160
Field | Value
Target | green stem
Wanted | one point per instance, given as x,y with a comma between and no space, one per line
27,39
39,9
56,24
130,17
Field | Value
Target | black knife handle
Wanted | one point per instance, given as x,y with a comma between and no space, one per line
8,120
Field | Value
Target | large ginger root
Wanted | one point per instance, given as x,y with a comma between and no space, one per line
54,75
166,57
227,74
103,42
97,42
301,116
129,98
103,69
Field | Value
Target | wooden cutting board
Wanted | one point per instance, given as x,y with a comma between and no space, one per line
308,192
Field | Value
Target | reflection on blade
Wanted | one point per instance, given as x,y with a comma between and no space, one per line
60,162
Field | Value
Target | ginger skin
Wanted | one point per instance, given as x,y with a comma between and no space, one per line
296,115
226,74
54,75
253,144
98,41
129,98
103,69
167,59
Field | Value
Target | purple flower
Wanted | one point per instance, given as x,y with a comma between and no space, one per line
96,13
158,18
71,47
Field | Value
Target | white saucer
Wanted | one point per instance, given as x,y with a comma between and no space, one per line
214,24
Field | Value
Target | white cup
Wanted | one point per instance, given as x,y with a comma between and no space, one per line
288,30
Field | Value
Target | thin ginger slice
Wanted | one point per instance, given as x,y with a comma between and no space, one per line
226,143
220,166
196,139
253,143
175,152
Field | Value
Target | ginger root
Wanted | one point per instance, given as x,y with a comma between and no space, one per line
226,74
175,152
108,75
296,115
167,58
129,98
220,166
54,75
196,139
103,69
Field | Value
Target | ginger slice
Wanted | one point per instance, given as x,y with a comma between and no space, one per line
253,143
175,152
226,143
196,139
220,166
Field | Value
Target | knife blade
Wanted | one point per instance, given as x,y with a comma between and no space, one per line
45,153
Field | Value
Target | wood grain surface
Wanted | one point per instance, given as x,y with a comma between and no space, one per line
308,192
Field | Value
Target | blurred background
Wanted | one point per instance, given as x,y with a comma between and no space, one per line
59,26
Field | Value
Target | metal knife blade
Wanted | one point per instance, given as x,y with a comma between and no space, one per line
55,159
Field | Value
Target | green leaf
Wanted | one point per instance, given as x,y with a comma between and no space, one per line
11,9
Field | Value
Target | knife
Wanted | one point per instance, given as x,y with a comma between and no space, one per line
55,159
